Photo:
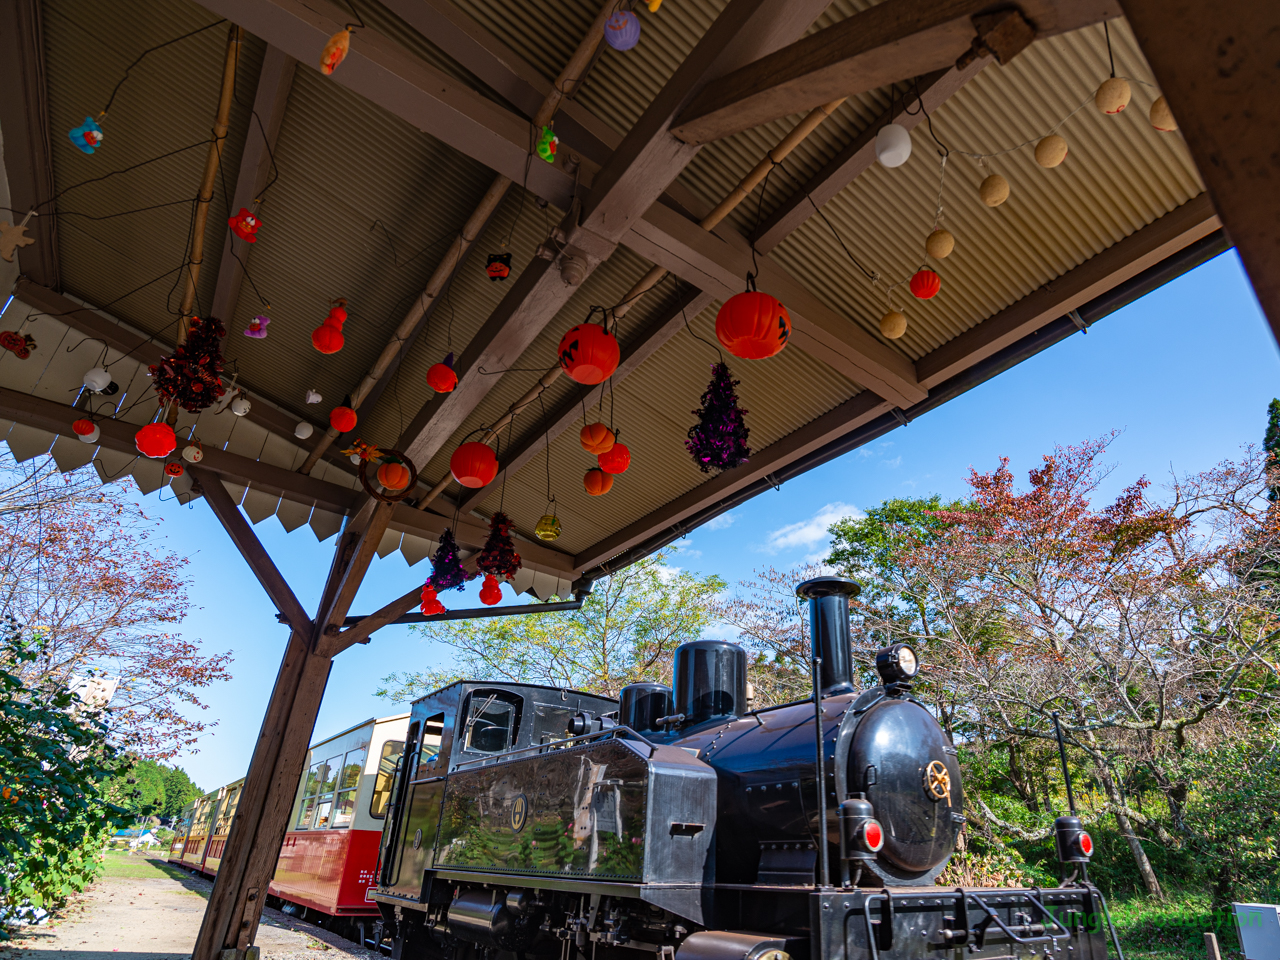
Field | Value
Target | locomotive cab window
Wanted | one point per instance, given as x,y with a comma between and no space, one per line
432,738
493,717
391,751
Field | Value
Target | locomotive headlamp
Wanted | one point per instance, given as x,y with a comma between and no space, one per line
897,663
862,833
1073,842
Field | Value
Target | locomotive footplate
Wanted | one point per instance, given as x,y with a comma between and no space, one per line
1063,923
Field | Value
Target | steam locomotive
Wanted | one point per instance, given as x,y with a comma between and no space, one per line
679,824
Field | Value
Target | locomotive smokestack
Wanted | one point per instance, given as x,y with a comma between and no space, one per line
829,629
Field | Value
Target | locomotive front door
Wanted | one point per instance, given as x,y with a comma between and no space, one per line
418,837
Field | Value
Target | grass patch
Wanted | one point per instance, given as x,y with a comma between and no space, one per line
138,866
1172,929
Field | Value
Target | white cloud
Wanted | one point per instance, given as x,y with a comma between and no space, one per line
894,463
721,522
808,533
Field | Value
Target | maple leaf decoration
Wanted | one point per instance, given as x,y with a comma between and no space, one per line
365,451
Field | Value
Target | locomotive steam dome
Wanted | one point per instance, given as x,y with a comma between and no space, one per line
710,680
901,759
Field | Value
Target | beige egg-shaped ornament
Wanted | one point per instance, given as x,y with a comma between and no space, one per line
1113,96
1162,117
893,324
994,190
1051,151
939,244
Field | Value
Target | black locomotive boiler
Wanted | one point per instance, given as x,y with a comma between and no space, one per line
531,821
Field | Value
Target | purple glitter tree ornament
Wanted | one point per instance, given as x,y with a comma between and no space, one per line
446,568
499,557
719,439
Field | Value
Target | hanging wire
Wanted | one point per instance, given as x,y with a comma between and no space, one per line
713,346
1106,32
144,53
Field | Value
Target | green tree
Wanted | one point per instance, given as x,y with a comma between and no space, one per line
55,760
1271,444
626,631
179,791
140,787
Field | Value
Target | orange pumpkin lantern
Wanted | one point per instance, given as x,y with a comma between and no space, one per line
596,438
597,482
474,464
393,476
441,377
616,459
491,592
156,440
342,419
926,284
753,325
589,354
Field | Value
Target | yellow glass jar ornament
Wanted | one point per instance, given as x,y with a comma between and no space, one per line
548,527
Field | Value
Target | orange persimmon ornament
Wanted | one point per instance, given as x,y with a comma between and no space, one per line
753,325
596,438
474,464
589,354
393,475
597,482
441,376
342,419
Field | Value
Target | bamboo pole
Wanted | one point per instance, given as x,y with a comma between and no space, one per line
651,279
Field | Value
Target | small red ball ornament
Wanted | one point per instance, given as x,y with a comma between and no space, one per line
753,325
597,482
342,419
926,284
589,354
174,469
616,460
596,438
474,464
491,592
156,440
430,604
441,377
393,476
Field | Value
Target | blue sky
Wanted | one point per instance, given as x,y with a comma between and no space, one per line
1185,374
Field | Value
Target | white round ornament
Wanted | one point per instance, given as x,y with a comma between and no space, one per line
303,430
893,145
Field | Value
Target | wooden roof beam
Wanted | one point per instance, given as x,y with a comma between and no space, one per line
269,102
1216,64
636,175
887,43
28,151
846,166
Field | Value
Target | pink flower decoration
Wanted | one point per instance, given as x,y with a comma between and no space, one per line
257,327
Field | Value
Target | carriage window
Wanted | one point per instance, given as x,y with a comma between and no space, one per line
228,812
324,802
313,794
490,725
391,751
348,783
432,737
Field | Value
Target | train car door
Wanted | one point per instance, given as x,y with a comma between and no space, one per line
422,791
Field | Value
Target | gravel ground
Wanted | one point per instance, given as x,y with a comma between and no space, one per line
129,918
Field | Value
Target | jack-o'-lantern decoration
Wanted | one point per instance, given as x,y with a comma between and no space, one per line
596,438
622,30
597,482
925,284
174,469
393,476
616,459
327,338
474,464
589,354
156,440
753,325
342,419
441,377
499,266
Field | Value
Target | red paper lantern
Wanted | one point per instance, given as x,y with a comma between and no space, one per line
753,325
342,419
84,427
393,476
174,469
597,482
156,440
926,284
430,604
616,459
441,378
474,464
327,339
596,438
491,592
589,353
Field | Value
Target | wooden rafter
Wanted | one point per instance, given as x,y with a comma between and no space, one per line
845,167
272,95
28,154
1222,89
888,43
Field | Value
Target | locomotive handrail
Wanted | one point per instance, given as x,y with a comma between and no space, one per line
558,745
992,917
